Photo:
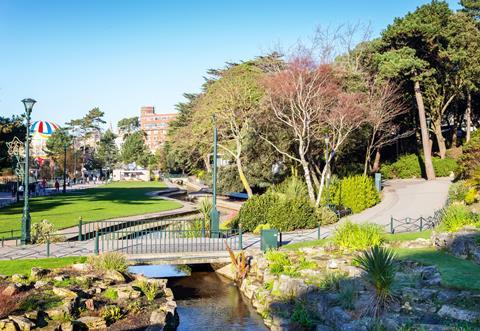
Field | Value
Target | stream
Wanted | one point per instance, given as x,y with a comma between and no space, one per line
205,300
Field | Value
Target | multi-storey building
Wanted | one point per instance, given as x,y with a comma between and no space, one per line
155,126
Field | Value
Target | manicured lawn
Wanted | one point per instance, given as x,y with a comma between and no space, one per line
9,268
311,243
107,201
457,273
409,236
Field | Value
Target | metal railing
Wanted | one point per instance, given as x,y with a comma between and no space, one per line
409,224
167,240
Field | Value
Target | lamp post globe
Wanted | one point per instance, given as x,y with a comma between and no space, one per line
25,237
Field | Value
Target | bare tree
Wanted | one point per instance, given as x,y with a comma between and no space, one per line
384,105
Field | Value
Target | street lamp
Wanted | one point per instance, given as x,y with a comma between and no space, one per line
214,214
327,164
65,145
25,239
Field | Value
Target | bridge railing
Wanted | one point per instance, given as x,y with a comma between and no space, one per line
164,237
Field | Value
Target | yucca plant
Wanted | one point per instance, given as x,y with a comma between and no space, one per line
240,263
379,264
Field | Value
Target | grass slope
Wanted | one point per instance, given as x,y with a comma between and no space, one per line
107,201
457,273
11,267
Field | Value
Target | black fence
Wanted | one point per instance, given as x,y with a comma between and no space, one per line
408,224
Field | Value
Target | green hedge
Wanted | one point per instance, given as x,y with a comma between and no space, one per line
410,166
355,192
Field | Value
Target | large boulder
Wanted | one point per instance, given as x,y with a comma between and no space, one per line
462,244
290,287
127,291
64,293
7,325
13,289
22,323
448,311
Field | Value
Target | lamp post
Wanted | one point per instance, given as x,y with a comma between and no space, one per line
25,239
327,164
214,214
65,145
74,161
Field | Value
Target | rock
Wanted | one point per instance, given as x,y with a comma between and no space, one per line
459,313
13,289
60,278
3,277
429,275
127,292
114,275
82,267
57,313
417,243
37,272
92,322
168,293
90,304
432,327
22,323
324,301
32,315
18,278
310,273
64,293
337,317
158,318
67,326
322,327
227,271
7,325
332,264
40,283
290,287
446,295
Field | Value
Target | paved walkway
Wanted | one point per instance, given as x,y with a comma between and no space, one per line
401,198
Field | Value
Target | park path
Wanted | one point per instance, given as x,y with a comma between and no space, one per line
401,198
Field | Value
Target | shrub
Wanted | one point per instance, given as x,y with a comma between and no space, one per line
111,314
108,261
205,207
326,216
44,231
458,191
455,217
471,196
355,192
349,236
379,264
288,214
348,294
469,161
261,227
302,316
410,166
149,289
254,211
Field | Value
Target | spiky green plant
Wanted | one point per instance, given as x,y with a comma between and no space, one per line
379,264
205,206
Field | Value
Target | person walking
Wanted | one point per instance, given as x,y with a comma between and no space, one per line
57,185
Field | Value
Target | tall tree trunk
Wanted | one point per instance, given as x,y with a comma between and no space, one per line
243,178
442,148
367,161
468,116
306,173
430,172
376,163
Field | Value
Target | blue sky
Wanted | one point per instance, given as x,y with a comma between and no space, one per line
120,55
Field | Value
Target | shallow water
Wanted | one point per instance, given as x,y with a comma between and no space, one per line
207,301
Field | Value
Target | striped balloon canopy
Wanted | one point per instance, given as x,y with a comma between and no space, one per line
43,128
